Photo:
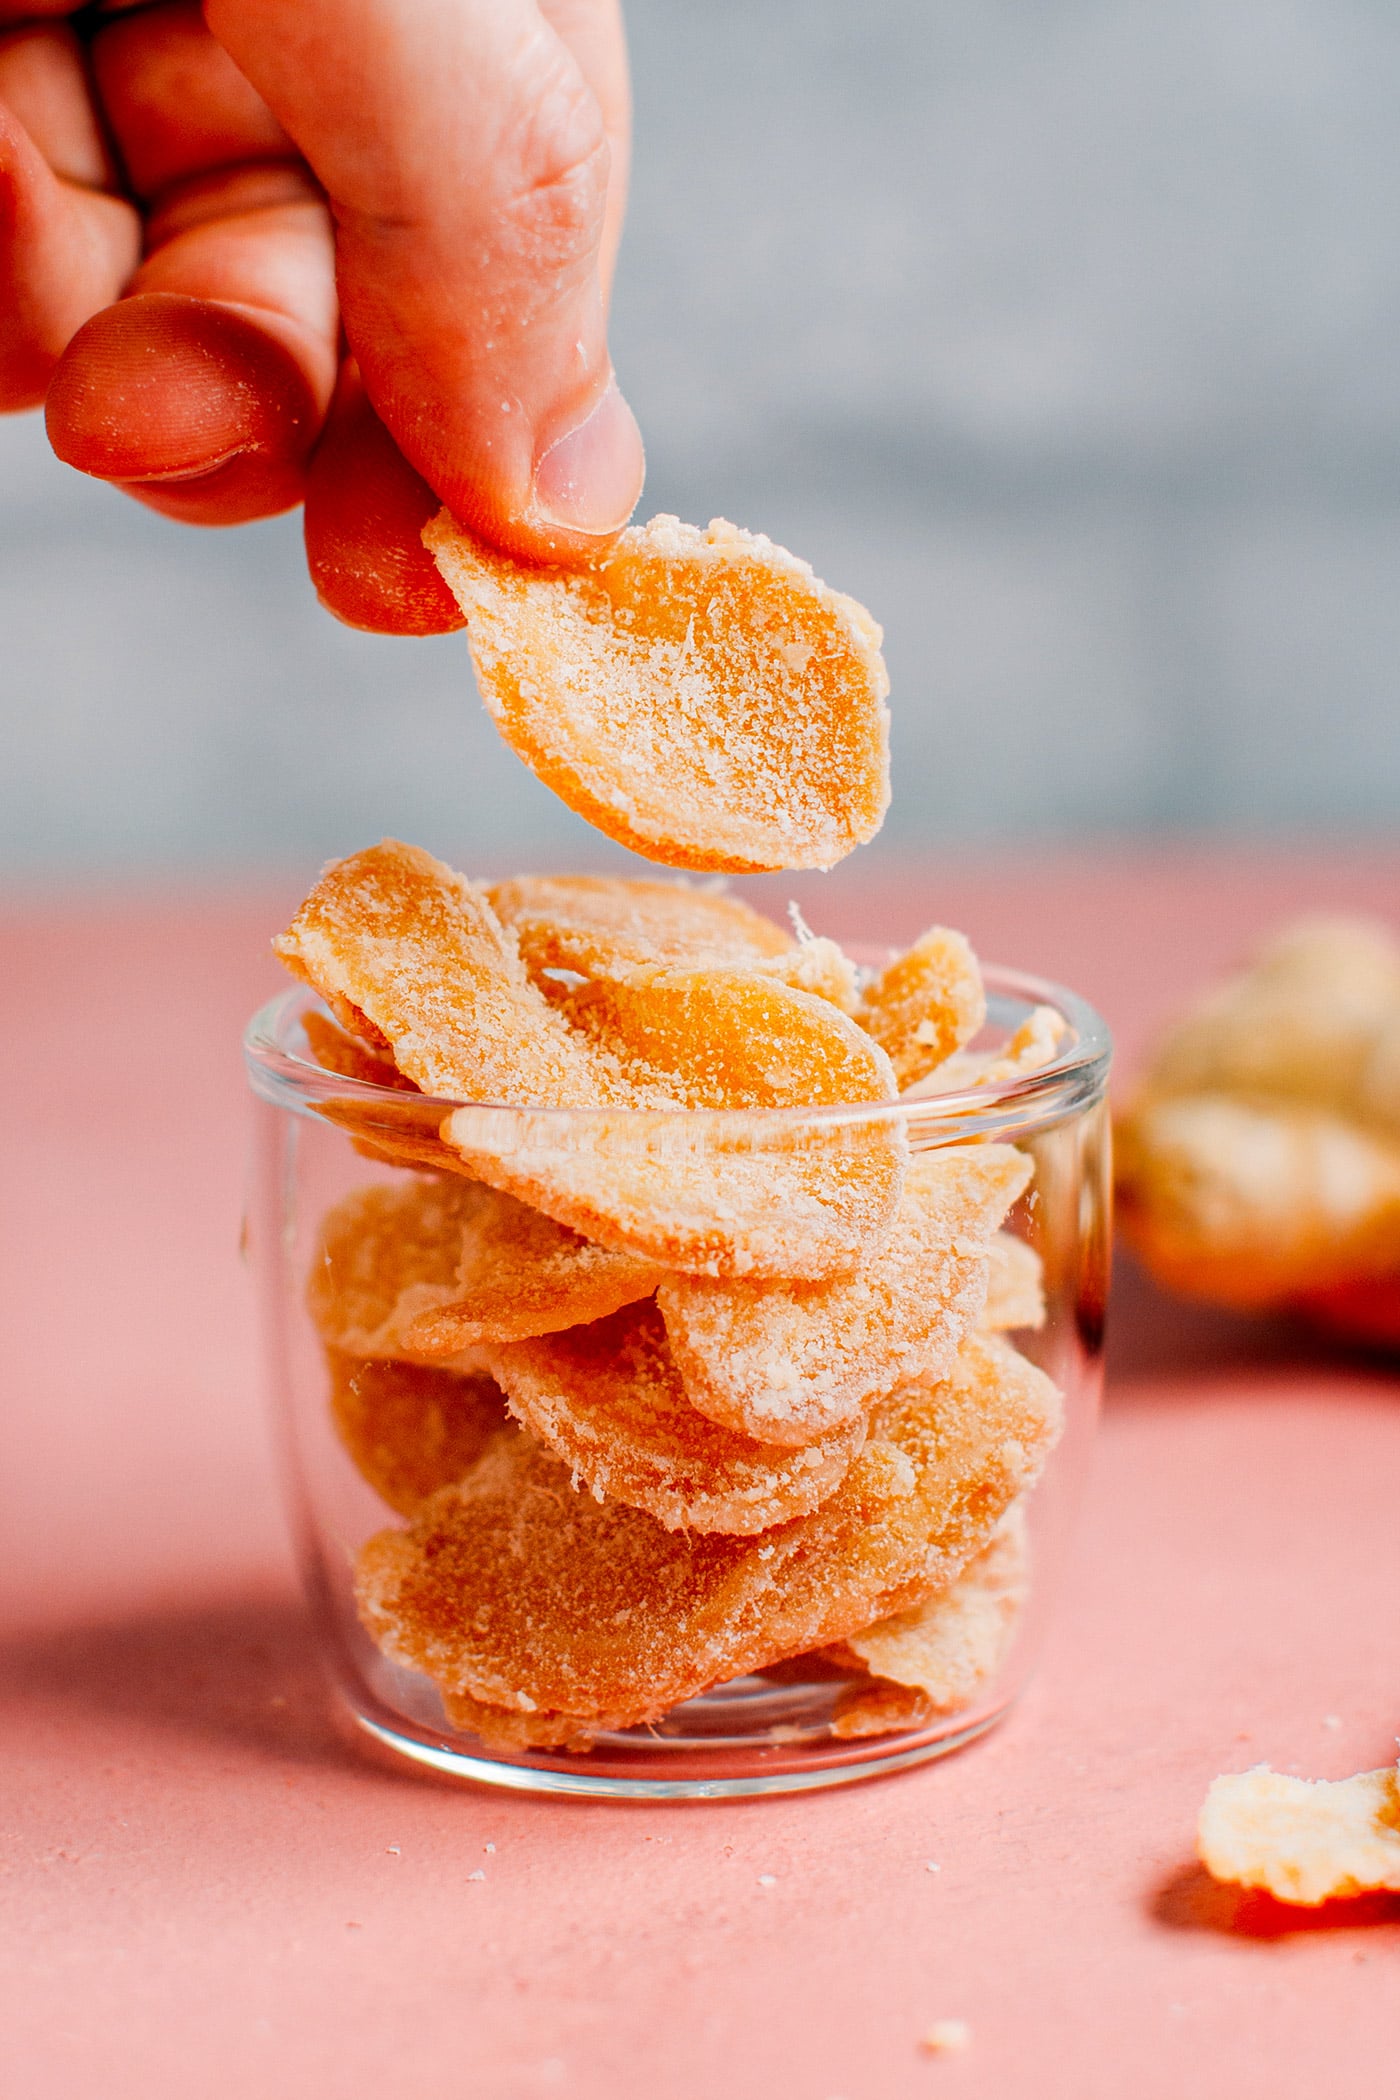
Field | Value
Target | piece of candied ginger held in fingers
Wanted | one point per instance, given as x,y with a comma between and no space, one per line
699,696
609,1401
410,955
411,1428
789,1361
925,1004
1304,1840
520,1592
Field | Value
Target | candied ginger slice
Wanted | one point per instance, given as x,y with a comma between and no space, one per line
727,1038
513,1589
521,1274
386,1254
336,1051
599,924
788,1362
950,1646
418,950
411,1428
740,1200
1015,1286
1304,1840
699,696
926,1004
1035,1044
607,1398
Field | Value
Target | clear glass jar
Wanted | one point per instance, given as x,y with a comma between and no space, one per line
796,1721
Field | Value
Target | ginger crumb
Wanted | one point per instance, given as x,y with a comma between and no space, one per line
946,2038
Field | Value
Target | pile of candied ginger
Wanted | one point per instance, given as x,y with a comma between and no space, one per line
677,1362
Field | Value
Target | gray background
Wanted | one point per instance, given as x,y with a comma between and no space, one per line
1065,335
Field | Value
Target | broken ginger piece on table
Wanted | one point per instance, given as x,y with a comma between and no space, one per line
1304,1840
698,696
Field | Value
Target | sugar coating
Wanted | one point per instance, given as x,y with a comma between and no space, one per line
411,1428
789,1362
516,1590
1015,1285
1305,1840
609,1401
947,1649
926,1004
700,696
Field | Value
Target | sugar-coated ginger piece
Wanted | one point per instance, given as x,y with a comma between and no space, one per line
509,1733
700,696
411,1428
600,924
1253,1203
926,1004
520,1274
1304,1840
609,1400
1303,1022
726,1199
1029,1049
788,1362
1015,1286
385,1254
729,1038
518,1591
731,1197
336,1051
945,1650
416,951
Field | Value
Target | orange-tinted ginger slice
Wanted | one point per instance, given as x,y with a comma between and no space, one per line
1032,1046
700,696
397,1133
386,1254
792,1361
724,1197
411,1428
926,1004
609,1400
600,924
938,1656
416,952
520,1274
514,1590
609,926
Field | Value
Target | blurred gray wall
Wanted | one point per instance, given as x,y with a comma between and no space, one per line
1066,335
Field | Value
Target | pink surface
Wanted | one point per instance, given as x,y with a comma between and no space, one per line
208,1887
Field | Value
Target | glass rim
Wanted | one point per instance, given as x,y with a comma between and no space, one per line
1071,1081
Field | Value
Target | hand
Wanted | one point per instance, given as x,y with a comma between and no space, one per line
199,212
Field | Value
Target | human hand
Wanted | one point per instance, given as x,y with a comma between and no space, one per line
232,241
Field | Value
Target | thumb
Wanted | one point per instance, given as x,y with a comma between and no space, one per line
466,158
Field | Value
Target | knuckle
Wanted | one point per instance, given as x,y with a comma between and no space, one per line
560,163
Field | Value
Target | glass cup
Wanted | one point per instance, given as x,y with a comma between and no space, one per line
795,1721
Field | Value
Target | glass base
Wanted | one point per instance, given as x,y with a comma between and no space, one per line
752,1736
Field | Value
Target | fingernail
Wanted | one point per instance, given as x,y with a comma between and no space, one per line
589,479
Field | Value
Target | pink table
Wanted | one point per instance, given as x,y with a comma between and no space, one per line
210,1890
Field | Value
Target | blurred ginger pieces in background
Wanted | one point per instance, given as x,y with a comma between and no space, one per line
1259,1159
